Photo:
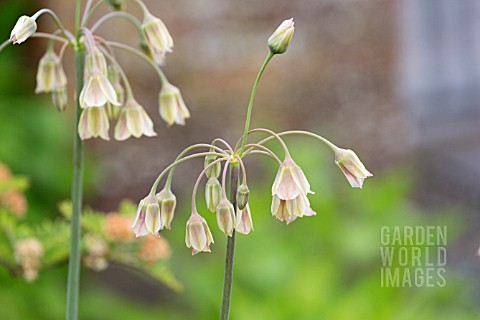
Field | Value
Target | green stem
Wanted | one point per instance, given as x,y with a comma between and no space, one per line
124,15
77,186
228,276
252,97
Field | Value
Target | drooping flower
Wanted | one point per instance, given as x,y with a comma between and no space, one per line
198,235
167,201
289,210
93,123
172,107
60,99
50,74
352,167
213,192
244,220
212,171
133,121
290,181
23,29
157,36
97,91
243,194
148,219
280,39
95,59
226,217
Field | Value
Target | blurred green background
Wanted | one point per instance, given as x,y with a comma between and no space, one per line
322,267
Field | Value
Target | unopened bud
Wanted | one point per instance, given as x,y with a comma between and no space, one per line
117,4
280,39
60,99
242,196
213,191
24,28
213,171
167,202
226,217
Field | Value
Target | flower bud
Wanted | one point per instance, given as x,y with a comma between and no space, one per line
352,167
167,202
148,217
172,107
60,99
50,74
93,123
226,217
244,220
213,171
280,39
157,36
242,196
198,235
133,121
24,28
213,192
117,4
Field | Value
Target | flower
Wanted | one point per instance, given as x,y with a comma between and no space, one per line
242,196
244,220
133,121
198,236
148,217
60,99
114,78
280,39
214,170
95,59
290,181
24,28
289,210
28,253
226,217
157,36
117,227
154,249
172,107
352,167
50,74
93,123
213,192
97,91
167,201
97,250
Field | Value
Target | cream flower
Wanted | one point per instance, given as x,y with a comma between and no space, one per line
198,236
133,121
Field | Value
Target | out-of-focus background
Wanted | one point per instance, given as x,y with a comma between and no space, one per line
397,81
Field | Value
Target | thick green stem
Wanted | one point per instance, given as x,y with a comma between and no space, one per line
228,277
77,186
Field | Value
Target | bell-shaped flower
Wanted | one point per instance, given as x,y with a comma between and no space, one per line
148,218
280,39
172,107
212,171
60,99
243,193
213,192
290,181
133,121
157,36
114,78
50,74
352,167
289,210
244,220
198,236
167,201
95,59
226,217
97,91
23,29
93,123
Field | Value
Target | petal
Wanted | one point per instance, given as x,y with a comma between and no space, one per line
198,236
108,90
121,130
153,219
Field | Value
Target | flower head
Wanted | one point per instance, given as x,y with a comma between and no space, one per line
226,217
93,123
97,91
244,220
280,39
167,201
172,107
133,121
352,167
213,192
290,181
198,236
148,217
50,74
24,28
157,36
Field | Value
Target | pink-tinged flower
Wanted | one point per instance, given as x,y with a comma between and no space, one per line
148,218
226,217
24,28
97,91
172,107
133,121
93,123
280,39
50,74
290,181
158,38
95,59
167,201
198,236
244,220
352,167
289,210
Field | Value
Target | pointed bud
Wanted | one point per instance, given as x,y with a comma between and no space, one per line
167,202
148,217
117,4
24,28
157,36
352,167
133,121
226,217
242,196
172,107
93,123
213,192
198,235
290,181
244,220
60,99
213,171
280,39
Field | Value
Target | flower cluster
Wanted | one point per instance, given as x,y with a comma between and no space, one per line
106,94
